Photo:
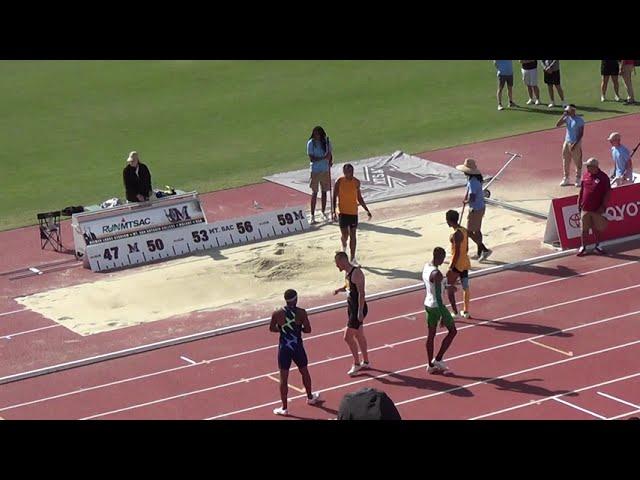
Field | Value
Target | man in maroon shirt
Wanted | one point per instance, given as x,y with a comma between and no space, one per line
592,202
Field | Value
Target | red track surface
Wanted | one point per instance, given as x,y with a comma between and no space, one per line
588,308
29,341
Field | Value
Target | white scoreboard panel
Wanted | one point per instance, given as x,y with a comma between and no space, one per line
150,247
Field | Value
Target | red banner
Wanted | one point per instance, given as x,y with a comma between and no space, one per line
623,214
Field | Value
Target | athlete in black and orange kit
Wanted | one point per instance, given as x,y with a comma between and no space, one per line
356,310
346,197
290,322
460,263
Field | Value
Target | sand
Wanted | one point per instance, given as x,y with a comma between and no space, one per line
392,253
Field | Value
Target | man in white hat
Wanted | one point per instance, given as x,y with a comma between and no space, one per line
622,168
572,147
475,199
137,179
592,202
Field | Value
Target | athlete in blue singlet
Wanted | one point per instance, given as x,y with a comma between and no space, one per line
290,322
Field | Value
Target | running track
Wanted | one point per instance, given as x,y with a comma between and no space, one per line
557,340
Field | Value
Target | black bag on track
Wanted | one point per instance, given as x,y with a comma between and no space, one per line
368,404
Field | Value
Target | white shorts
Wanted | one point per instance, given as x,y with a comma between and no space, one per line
530,77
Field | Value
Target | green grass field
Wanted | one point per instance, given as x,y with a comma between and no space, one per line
67,126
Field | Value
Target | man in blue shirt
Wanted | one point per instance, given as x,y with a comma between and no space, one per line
320,158
622,172
475,199
572,147
505,75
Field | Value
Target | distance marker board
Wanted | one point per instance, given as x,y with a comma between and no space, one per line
155,246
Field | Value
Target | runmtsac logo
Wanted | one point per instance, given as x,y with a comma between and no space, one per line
175,215
125,225
617,213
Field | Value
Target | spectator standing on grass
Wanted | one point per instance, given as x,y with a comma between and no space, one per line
626,68
592,203
137,179
530,78
622,168
572,146
321,160
505,76
609,69
552,78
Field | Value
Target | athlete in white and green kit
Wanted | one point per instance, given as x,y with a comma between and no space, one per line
436,311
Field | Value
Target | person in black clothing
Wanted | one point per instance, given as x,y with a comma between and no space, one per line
137,179
609,69
356,311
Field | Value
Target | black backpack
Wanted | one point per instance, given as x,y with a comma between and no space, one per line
368,404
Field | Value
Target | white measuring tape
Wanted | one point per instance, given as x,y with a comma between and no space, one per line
151,246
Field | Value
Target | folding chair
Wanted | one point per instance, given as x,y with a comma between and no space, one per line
50,230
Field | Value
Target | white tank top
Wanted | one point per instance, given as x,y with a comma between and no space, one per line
430,298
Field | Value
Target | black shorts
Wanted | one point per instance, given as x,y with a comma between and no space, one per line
463,274
353,316
508,79
296,354
552,78
348,221
609,68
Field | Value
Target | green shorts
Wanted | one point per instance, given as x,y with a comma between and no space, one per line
434,315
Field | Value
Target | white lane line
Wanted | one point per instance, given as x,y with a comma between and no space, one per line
584,410
12,312
11,335
435,394
616,399
624,414
272,346
188,360
582,389
215,387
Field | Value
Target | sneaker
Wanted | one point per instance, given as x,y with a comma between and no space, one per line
365,365
598,249
578,181
324,217
485,254
537,102
354,369
564,182
434,369
441,365
500,107
315,398
512,104
582,251
551,105
602,99
476,256
281,411
617,98
465,314
629,102
530,101
313,220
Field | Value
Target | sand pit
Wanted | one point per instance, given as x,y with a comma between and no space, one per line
392,253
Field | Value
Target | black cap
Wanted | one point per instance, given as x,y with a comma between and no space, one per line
290,295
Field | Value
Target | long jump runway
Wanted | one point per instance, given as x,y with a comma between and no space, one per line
557,340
